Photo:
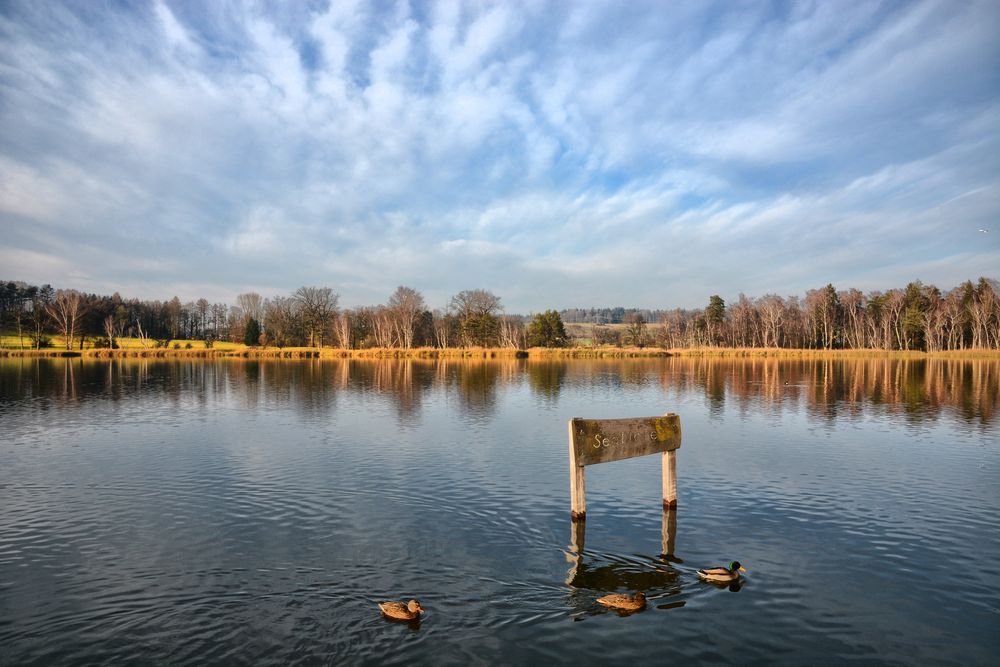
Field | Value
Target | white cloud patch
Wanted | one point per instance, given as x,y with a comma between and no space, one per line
558,154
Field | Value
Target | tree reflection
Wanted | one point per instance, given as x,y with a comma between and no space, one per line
546,377
917,390
477,385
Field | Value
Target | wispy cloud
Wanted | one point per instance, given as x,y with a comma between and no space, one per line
557,154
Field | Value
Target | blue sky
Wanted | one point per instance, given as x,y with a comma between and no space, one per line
559,154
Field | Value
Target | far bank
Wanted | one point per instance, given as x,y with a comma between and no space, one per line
608,352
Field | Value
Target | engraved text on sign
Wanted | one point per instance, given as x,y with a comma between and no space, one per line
603,440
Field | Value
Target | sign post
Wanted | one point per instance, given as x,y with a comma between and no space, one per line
593,441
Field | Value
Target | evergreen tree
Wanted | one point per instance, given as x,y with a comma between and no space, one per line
251,332
715,317
547,330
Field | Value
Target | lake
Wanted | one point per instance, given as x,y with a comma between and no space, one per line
244,512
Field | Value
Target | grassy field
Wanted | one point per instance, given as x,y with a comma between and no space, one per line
132,347
9,341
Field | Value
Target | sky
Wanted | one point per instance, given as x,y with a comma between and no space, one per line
563,154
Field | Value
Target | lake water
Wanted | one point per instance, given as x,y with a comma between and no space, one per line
240,512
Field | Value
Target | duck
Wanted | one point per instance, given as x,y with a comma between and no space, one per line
722,575
402,611
625,602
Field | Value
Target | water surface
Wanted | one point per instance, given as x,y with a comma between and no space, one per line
241,512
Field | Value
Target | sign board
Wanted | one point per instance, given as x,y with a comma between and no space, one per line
593,441
603,440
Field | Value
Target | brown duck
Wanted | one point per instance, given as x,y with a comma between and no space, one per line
402,611
624,602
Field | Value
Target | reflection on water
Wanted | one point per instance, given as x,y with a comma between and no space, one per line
828,389
650,575
918,389
254,512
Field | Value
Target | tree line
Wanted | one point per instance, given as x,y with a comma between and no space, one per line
615,315
917,317
310,316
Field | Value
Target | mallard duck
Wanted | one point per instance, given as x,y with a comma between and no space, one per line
626,602
403,611
722,575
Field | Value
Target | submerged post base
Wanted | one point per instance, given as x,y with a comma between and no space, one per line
578,516
670,504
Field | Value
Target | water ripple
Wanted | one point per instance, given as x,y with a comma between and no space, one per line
255,514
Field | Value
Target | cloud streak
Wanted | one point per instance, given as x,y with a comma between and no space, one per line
559,155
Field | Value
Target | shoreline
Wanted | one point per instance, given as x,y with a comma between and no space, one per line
492,353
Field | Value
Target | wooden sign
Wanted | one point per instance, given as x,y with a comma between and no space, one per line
603,440
593,441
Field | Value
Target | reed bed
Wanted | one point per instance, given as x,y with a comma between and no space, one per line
487,353
606,352
783,353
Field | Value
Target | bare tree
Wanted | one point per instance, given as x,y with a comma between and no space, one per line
405,304
894,304
201,307
635,332
744,323
676,331
444,323
342,328
318,306
19,322
383,329
984,314
772,311
878,327
853,303
822,315
512,333
219,311
280,316
981,311
252,305
477,311
113,330
65,310
141,334
236,324
175,314
475,302
934,323
954,317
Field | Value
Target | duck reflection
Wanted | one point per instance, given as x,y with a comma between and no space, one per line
732,586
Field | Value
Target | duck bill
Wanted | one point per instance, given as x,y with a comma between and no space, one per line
743,569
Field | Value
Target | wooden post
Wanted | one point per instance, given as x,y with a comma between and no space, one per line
669,480
577,483
593,441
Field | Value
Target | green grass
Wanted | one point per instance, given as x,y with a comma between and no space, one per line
10,344
10,341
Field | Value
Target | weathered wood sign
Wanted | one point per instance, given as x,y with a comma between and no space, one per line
593,441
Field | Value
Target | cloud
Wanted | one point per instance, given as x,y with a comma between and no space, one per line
557,154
